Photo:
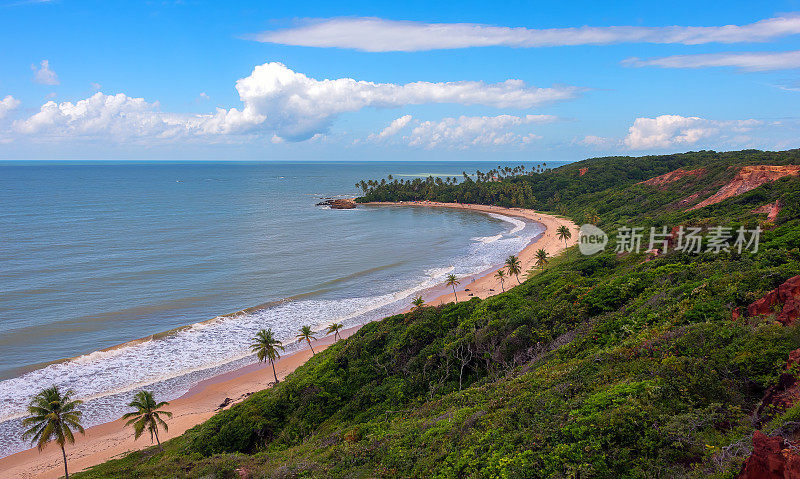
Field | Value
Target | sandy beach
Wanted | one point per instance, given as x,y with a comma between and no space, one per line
109,440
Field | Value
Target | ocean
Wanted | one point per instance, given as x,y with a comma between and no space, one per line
136,270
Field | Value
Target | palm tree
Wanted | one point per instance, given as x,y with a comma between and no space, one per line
418,302
147,416
52,417
563,233
452,281
592,218
501,275
336,327
266,348
306,334
514,267
541,258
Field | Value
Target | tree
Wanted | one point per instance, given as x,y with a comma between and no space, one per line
306,334
542,257
266,348
563,233
514,267
418,302
452,281
52,417
147,416
501,275
335,328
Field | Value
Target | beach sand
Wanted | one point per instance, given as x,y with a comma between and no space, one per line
110,440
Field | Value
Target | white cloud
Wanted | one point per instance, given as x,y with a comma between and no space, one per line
667,131
380,35
748,61
474,131
8,104
278,101
118,116
598,142
394,127
44,74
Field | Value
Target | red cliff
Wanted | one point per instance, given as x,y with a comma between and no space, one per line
749,178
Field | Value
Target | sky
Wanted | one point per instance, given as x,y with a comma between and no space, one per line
415,80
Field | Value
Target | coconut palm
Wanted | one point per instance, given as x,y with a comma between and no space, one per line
418,302
452,281
267,348
52,416
563,233
541,258
501,275
306,334
514,267
147,416
335,328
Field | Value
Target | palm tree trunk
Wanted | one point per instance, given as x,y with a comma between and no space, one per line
454,293
64,453
310,346
273,371
155,430
517,278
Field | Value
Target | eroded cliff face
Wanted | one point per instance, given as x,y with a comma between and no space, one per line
783,302
673,176
770,209
773,457
748,178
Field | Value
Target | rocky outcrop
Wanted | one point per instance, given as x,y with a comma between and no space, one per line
783,302
673,176
770,209
749,178
582,171
339,203
772,458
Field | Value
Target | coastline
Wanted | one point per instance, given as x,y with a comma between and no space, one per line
109,440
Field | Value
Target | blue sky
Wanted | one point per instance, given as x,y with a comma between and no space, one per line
158,80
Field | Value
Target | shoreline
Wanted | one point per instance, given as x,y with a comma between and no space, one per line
109,440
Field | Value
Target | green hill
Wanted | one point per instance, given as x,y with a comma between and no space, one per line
612,365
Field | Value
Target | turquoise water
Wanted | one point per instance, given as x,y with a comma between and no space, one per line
97,255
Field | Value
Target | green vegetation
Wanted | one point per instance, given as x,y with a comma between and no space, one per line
599,366
267,348
147,416
53,416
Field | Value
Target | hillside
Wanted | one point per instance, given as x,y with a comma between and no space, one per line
612,365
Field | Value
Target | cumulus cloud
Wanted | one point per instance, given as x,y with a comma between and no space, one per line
278,101
381,35
748,61
8,104
667,131
475,131
43,74
394,127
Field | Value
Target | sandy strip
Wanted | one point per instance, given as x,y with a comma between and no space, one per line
110,440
